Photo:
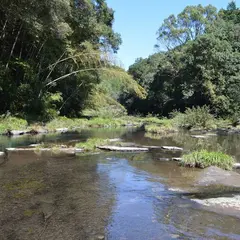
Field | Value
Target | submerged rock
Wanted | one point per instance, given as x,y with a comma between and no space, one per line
224,202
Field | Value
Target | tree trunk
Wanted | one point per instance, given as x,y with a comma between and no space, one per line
13,46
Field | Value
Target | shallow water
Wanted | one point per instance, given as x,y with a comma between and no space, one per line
107,195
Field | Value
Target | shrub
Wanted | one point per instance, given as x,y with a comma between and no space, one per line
196,117
204,159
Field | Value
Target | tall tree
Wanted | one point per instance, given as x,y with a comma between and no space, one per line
186,26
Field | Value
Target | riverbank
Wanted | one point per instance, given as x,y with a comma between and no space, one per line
152,125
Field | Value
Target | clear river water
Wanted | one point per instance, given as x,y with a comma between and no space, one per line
108,195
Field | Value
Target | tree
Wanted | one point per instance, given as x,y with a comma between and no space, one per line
53,54
186,26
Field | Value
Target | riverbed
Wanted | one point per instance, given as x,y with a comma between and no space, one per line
106,195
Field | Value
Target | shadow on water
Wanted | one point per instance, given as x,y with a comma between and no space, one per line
108,195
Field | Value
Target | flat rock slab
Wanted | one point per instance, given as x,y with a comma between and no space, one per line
199,136
223,205
35,145
177,159
217,176
171,148
115,140
236,165
16,132
152,147
61,130
123,149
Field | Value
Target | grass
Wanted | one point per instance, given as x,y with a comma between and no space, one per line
92,143
163,126
64,122
12,123
204,159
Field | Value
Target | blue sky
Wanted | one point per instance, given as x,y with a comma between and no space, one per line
138,21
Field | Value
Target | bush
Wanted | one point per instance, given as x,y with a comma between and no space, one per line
204,159
12,123
196,117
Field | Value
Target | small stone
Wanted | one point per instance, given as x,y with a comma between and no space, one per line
101,237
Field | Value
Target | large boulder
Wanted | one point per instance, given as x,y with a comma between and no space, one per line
216,176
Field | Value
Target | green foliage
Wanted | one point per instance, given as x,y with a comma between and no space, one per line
12,123
64,122
55,54
187,26
159,126
92,143
201,66
97,122
198,117
204,159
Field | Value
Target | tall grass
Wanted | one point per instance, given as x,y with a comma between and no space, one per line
204,159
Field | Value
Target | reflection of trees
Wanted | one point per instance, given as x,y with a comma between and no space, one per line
74,201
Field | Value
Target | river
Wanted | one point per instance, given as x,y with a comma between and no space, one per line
108,195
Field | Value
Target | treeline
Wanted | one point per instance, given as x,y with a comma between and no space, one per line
198,63
57,59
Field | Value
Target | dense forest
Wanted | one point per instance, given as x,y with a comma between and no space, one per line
58,59
197,64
